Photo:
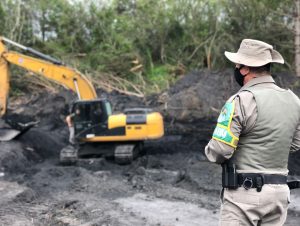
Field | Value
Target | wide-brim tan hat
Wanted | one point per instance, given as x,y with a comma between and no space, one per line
255,53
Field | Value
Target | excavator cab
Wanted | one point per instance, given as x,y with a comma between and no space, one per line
91,117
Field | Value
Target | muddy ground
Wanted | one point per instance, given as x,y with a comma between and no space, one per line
172,183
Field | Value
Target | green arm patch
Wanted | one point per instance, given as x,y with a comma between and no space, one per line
222,132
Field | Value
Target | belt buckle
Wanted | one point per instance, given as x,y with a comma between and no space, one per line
248,183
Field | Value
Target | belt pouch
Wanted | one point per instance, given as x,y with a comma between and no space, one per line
229,176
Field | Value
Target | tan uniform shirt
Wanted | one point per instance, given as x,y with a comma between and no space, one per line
243,120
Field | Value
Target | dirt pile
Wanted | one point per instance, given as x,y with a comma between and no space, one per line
202,94
198,95
192,105
172,175
190,108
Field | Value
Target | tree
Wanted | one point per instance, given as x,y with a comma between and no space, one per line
297,36
107,37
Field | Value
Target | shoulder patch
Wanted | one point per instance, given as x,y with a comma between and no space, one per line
222,131
226,114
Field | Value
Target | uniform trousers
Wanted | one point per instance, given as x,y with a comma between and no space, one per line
243,207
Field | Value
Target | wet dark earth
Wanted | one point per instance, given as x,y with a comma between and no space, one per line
171,183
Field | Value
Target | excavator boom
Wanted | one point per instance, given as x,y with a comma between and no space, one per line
4,81
47,67
63,75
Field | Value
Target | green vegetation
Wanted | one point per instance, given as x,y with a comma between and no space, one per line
167,38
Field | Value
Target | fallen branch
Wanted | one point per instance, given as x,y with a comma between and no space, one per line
109,82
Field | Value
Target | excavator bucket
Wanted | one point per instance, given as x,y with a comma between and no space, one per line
7,132
69,155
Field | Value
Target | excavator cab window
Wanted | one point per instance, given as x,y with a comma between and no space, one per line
93,116
96,113
108,108
91,111
79,113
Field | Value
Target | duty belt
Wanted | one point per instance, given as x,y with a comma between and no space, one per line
256,180
231,179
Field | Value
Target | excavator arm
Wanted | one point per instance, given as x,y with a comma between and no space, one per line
4,82
47,67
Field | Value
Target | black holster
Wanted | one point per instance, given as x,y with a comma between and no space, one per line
229,175
294,184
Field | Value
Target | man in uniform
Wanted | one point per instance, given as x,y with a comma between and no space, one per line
256,130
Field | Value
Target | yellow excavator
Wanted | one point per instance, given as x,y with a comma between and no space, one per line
94,122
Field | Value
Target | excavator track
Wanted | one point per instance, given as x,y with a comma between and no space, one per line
68,155
126,153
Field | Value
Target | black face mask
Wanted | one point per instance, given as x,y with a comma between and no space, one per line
239,78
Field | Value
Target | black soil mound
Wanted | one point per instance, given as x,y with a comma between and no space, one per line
192,105
190,109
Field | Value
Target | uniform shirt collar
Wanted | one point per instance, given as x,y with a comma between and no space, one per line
258,80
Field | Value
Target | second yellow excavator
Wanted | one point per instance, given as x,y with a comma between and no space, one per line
94,121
